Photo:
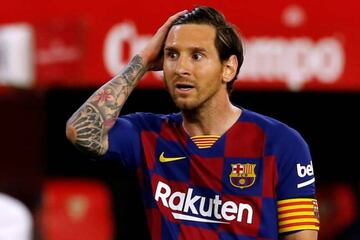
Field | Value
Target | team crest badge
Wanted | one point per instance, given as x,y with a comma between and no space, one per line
242,175
316,209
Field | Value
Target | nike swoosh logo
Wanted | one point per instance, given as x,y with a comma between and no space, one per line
164,159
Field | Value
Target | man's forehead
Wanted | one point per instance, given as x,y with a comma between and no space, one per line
190,34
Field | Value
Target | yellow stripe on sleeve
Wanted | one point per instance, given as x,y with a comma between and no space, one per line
298,214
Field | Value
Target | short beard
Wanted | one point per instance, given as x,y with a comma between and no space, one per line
188,107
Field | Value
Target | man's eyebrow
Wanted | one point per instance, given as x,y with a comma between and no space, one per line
193,49
170,49
198,49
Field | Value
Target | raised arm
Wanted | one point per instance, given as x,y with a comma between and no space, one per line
88,127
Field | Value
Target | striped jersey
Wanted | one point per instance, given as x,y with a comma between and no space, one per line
254,182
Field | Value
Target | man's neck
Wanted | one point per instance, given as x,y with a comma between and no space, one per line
211,120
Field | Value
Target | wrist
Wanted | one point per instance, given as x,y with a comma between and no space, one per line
145,59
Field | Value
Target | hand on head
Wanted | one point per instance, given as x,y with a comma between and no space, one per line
152,53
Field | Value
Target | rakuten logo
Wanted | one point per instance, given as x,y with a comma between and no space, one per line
294,61
188,203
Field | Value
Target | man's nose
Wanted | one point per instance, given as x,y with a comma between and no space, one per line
183,66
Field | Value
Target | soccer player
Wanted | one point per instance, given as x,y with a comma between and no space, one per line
214,170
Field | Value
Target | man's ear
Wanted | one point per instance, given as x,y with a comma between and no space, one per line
229,68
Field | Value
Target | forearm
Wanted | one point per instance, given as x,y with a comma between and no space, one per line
88,127
300,235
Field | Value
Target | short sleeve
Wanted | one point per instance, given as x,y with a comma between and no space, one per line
296,177
297,205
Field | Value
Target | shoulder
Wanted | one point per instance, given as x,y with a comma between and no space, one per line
274,130
148,120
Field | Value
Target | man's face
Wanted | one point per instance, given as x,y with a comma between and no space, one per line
192,68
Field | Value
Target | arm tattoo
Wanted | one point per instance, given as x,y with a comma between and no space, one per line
88,129
132,72
94,119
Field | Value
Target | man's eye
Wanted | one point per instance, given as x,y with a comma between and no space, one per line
197,56
171,55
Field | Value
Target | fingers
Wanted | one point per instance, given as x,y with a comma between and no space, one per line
176,15
151,54
172,18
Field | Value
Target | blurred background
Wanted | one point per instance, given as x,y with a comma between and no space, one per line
301,66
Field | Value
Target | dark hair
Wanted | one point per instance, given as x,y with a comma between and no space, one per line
227,40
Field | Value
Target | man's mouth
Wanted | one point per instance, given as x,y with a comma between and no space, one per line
184,86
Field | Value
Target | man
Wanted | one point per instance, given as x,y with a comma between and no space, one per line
213,171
